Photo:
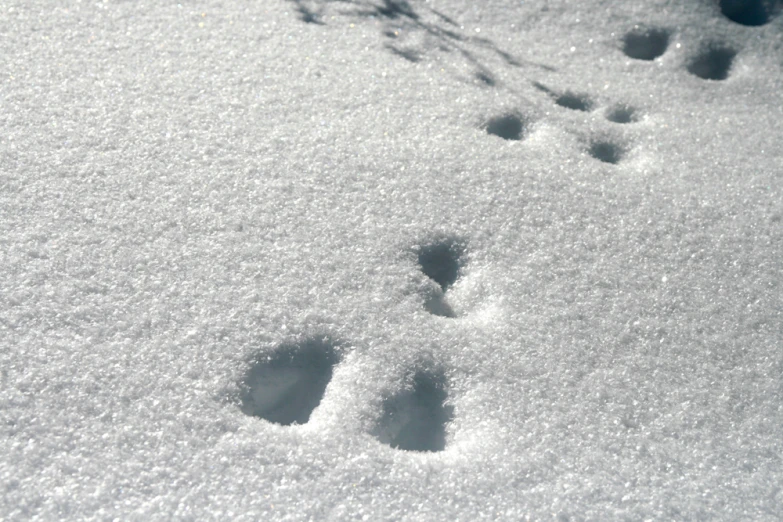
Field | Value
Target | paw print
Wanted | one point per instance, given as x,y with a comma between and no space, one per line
415,419
441,262
711,60
751,13
606,148
286,384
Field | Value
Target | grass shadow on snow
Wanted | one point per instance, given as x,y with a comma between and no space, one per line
306,15
411,32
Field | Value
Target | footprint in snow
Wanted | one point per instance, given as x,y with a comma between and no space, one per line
285,386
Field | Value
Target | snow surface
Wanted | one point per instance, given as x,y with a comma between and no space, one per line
475,260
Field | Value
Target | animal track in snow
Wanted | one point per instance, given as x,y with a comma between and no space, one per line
576,102
622,114
567,99
288,385
600,149
713,62
645,43
508,126
749,12
415,418
441,261
606,151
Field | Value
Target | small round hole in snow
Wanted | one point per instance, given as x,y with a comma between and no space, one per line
713,63
646,44
622,114
752,13
576,102
508,127
415,418
441,261
286,386
606,151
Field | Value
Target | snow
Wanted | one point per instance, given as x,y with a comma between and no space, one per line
387,260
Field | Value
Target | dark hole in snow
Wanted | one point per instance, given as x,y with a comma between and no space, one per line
622,114
645,44
508,127
606,152
441,261
287,386
576,102
415,418
713,63
749,12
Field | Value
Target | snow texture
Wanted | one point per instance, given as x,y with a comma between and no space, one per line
391,260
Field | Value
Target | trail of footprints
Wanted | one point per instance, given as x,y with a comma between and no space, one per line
288,385
713,60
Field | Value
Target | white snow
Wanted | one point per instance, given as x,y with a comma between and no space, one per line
475,260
